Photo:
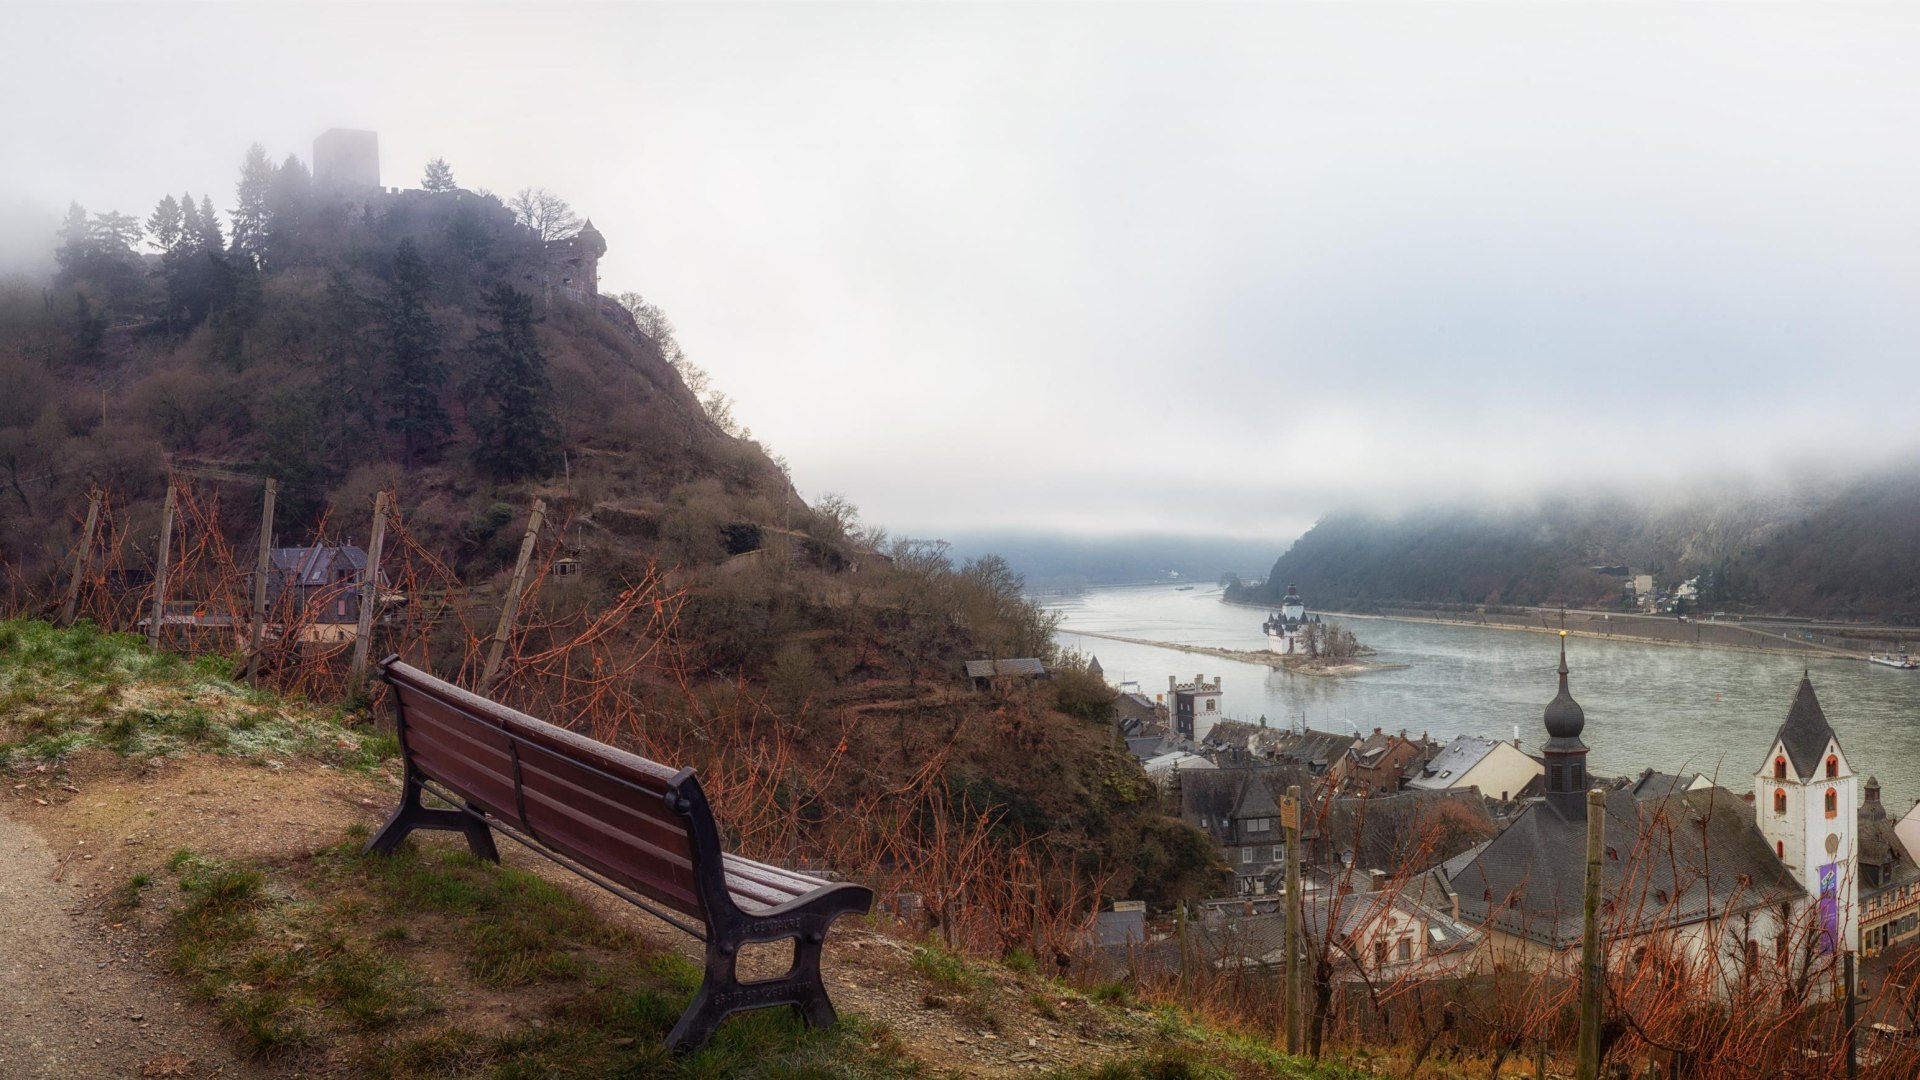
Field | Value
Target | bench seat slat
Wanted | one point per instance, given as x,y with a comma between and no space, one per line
772,877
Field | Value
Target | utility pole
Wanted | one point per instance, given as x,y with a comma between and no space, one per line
369,594
510,606
72,606
160,570
1587,1063
261,567
1290,821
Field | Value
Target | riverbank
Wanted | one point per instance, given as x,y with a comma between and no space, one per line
1693,634
1295,664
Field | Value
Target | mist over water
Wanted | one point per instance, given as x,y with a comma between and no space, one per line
1648,706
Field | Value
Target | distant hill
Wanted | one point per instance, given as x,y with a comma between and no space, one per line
1844,550
1056,561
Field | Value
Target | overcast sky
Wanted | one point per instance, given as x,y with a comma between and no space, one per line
1112,269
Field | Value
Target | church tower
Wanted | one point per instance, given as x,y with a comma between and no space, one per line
1565,754
1806,808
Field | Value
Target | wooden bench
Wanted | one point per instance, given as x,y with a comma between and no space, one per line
637,828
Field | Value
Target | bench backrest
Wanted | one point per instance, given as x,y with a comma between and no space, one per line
643,825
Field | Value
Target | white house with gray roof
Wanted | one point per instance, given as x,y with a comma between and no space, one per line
1499,769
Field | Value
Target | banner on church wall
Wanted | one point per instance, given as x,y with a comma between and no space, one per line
1829,906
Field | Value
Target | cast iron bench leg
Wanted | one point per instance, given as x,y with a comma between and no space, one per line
722,994
412,815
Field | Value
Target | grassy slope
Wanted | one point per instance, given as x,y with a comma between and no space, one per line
336,964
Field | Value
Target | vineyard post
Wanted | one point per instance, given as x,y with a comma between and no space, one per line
1290,820
80,556
510,605
1853,998
1587,1061
261,567
369,593
160,569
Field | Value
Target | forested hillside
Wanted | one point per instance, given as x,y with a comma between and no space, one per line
1844,549
449,348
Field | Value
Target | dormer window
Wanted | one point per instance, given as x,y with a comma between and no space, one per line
1833,766
1779,767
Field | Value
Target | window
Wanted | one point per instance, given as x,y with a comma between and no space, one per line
1246,855
1833,803
1555,777
1212,705
1753,954
1405,949
1779,767
1780,849
1779,800
1380,954
1833,766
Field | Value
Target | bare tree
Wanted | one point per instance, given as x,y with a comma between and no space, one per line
545,213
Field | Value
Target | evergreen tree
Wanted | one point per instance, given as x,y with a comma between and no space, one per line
115,234
289,197
415,370
252,217
89,330
350,355
514,430
192,230
439,176
76,244
210,238
164,225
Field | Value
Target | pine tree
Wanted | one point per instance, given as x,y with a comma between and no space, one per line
76,243
415,371
164,225
192,231
289,196
252,217
210,238
439,176
514,430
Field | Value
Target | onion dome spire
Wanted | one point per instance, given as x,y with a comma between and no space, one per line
1564,717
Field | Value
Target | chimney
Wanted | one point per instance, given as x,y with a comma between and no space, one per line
1172,682
1376,880
1376,731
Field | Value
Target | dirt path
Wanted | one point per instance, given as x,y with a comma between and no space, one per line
90,998
83,1001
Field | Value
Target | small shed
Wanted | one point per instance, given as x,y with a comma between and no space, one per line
985,673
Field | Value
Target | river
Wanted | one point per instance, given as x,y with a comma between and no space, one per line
1673,709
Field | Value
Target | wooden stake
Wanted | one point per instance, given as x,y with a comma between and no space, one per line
369,596
262,566
1290,819
1587,1055
160,570
510,606
72,606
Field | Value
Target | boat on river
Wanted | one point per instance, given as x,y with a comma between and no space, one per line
1894,660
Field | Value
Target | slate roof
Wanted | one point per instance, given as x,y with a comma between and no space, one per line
1806,731
1220,796
1409,830
1452,762
1026,667
1315,749
1659,785
319,565
1671,862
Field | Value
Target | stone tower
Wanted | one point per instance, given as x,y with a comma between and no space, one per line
345,158
1806,808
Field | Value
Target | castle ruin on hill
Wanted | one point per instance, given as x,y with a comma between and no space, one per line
347,161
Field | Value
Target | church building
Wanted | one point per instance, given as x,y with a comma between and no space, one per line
1689,881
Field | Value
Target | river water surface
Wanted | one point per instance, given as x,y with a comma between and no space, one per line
1660,706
